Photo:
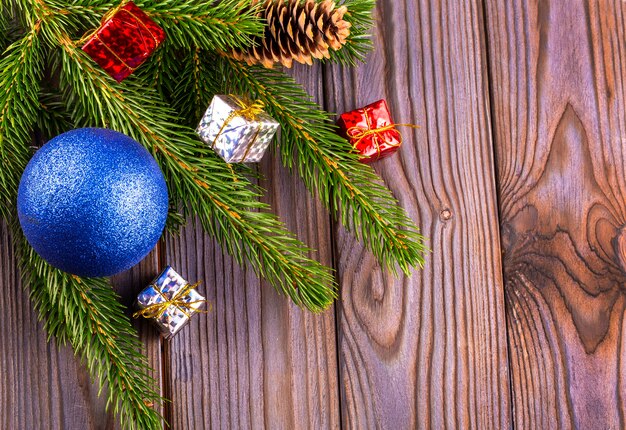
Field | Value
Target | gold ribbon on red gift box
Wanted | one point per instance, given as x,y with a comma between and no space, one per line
358,134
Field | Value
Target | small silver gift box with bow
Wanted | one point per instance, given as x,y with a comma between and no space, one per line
169,301
239,131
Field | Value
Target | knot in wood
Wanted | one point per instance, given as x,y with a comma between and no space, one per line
619,245
445,215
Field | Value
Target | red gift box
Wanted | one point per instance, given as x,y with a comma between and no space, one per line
371,131
124,41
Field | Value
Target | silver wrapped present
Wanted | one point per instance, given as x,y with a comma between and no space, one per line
169,301
238,131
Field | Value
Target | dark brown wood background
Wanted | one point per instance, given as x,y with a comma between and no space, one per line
517,176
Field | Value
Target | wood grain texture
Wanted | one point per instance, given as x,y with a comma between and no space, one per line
427,351
128,285
558,74
255,361
43,385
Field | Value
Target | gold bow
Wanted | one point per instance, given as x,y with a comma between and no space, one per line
357,134
248,110
156,310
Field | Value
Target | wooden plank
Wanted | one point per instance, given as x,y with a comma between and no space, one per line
43,385
427,351
128,285
559,73
255,361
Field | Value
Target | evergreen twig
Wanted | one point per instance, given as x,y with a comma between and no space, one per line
87,313
326,163
21,69
359,43
209,25
199,182
4,26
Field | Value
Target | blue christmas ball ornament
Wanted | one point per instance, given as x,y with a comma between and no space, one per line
92,202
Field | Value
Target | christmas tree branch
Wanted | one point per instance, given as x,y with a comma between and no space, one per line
359,15
210,25
87,313
218,26
4,26
224,200
21,68
327,165
309,141
52,119
194,86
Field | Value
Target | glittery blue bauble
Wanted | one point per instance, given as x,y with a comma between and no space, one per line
92,202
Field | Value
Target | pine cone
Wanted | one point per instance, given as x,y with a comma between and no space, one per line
297,30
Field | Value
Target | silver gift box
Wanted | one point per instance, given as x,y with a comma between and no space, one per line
164,288
235,138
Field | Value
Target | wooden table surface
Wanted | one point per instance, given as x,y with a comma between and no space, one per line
517,176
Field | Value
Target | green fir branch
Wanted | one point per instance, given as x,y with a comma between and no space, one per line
193,84
218,26
52,118
21,69
87,313
359,42
201,183
209,25
328,166
5,18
